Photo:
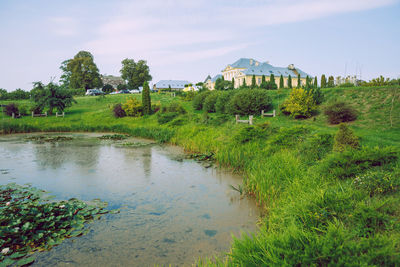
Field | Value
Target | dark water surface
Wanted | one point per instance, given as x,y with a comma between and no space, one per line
173,210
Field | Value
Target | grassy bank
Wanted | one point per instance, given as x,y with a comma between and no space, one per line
321,207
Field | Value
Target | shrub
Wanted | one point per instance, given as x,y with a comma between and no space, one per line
222,101
249,133
378,182
210,101
77,92
217,120
318,96
340,112
10,109
353,162
108,88
163,118
189,96
133,107
174,107
300,104
198,100
118,111
316,147
249,102
345,139
347,85
155,107
25,109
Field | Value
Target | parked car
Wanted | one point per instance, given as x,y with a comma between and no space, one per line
94,92
134,91
124,92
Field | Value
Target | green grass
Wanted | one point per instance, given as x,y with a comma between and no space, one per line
315,213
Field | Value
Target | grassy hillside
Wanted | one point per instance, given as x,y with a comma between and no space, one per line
321,207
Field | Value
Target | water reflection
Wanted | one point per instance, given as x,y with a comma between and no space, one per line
172,211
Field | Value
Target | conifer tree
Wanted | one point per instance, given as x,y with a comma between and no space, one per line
281,84
315,82
298,81
331,81
307,83
263,79
146,101
323,81
272,79
233,83
290,82
253,81
244,83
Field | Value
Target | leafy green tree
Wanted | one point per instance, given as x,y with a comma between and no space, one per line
219,83
232,84
51,96
18,94
281,83
308,83
315,82
290,81
253,82
244,85
298,81
65,78
146,101
82,72
300,104
345,139
135,73
272,79
323,81
108,88
3,94
331,82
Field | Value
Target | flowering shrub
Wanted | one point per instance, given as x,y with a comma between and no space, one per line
133,107
300,104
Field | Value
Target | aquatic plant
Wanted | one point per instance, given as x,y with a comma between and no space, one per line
30,222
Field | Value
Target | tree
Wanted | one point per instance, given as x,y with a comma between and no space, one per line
331,81
298,81
315,82
65,78
323,81
108,88
81,72
3,94
233,84
51,96
308,83
290,82
300,104
272,79
146,101
244,85
253,81
135,73
281,83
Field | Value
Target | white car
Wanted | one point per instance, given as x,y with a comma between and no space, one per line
134,91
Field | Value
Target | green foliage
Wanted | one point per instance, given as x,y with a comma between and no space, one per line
146,100
253,82
250,133
173,107
249,102
347,85
25,109
222,101
345,139
317,95
338,112
81,72
10,109
272,81
210,101
290,82
298,81
31,222
221,84
198,100
133,107
316,147
281,83
122,86
354,162
52,96
323,81
300,104
380,81
18,94
135,73
315,82
108,88
118,111
189,96
163,118
378,182
114,137
331,82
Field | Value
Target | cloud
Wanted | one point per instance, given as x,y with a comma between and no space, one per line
64,26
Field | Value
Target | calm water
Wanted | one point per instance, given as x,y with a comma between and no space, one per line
173,210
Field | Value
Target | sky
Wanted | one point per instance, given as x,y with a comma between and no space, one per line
188,40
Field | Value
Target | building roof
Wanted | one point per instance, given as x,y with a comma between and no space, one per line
176,84
254,67
216,77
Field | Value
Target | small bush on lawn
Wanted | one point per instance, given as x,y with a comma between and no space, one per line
163,118
378,182
340,112
316,147
221,104
24,109
300,104
133,107
118,111
189,96
249,133
175,107
345,139
198,100
10,109
210,101
287,137
354,162
250,102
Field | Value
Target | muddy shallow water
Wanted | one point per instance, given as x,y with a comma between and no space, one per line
173,210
